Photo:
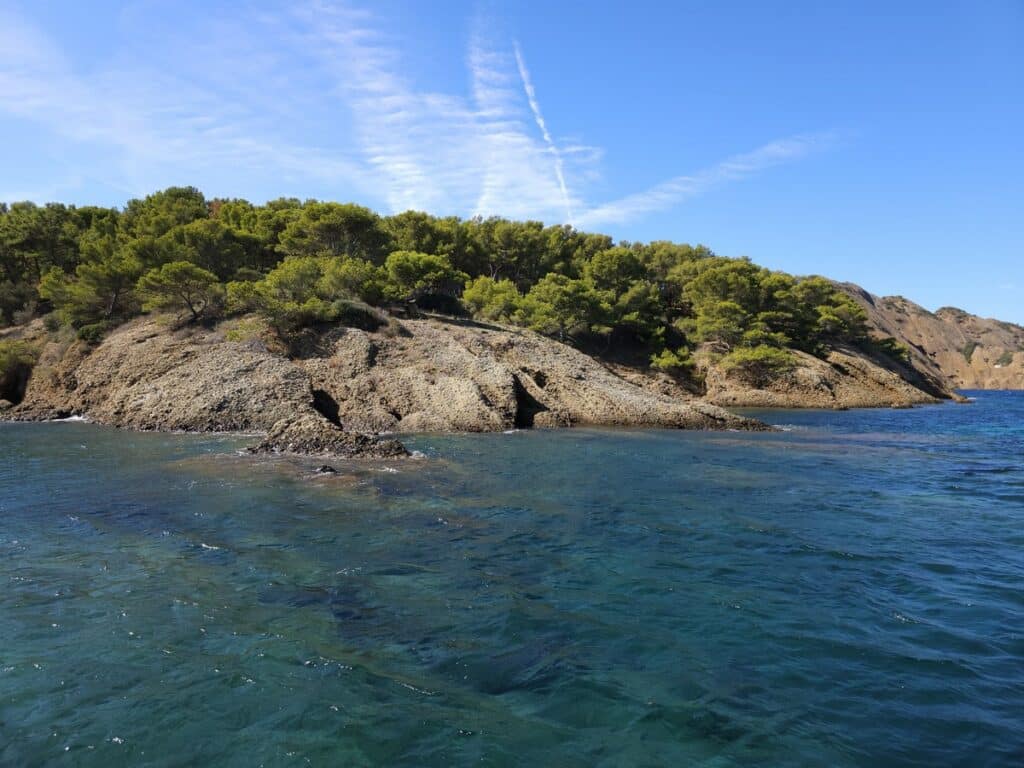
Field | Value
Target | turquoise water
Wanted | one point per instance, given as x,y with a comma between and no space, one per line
846,593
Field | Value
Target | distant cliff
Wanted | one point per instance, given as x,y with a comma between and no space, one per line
964,350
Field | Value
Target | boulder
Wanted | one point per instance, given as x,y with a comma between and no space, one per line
313,435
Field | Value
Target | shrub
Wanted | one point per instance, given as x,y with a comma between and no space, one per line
357,314
414,275
672,361
560,305
1005,359
247,329
353,278
968,350
242,296
14,297
53,322
93,333
892,348
756,365
17,358
490,299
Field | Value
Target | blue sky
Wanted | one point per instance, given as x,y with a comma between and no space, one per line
881,143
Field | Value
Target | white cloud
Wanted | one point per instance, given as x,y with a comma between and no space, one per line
538,116
320,94
672,192
158,126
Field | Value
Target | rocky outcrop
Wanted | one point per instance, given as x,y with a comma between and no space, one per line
311,435
145,376
351,385
846,379
442,376
963,350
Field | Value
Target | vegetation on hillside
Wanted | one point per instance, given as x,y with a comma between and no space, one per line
301,264
16,361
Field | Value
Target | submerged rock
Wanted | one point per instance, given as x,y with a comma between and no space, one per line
312,435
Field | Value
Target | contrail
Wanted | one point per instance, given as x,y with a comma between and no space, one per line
531,96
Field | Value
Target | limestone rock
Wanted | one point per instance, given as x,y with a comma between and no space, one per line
313,435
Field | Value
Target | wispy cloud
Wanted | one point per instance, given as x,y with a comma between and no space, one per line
518,172
150,126
670,193
319,95
538,116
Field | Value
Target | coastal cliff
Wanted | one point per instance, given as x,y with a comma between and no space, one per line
960,349
351,386
345,387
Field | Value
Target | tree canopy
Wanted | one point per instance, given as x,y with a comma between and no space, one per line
305,262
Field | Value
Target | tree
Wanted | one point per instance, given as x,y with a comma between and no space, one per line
614,270
213,246
180,285
513,249
34,238
333,229
353,278
99,290
490,299
560,305
729,280
415,275
160,212
721,322
824,314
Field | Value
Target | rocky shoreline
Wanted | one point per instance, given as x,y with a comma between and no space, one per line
346,388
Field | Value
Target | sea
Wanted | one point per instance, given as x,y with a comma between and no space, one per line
846,591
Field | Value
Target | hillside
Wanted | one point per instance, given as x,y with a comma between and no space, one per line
964,350
323,326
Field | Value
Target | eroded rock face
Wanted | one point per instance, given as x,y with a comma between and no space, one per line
312,435
844,380
953,346
144,376
147,377
434,376
447,376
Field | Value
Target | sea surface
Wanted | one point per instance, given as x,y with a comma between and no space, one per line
847,592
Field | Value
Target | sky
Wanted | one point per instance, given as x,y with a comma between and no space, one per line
876,142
